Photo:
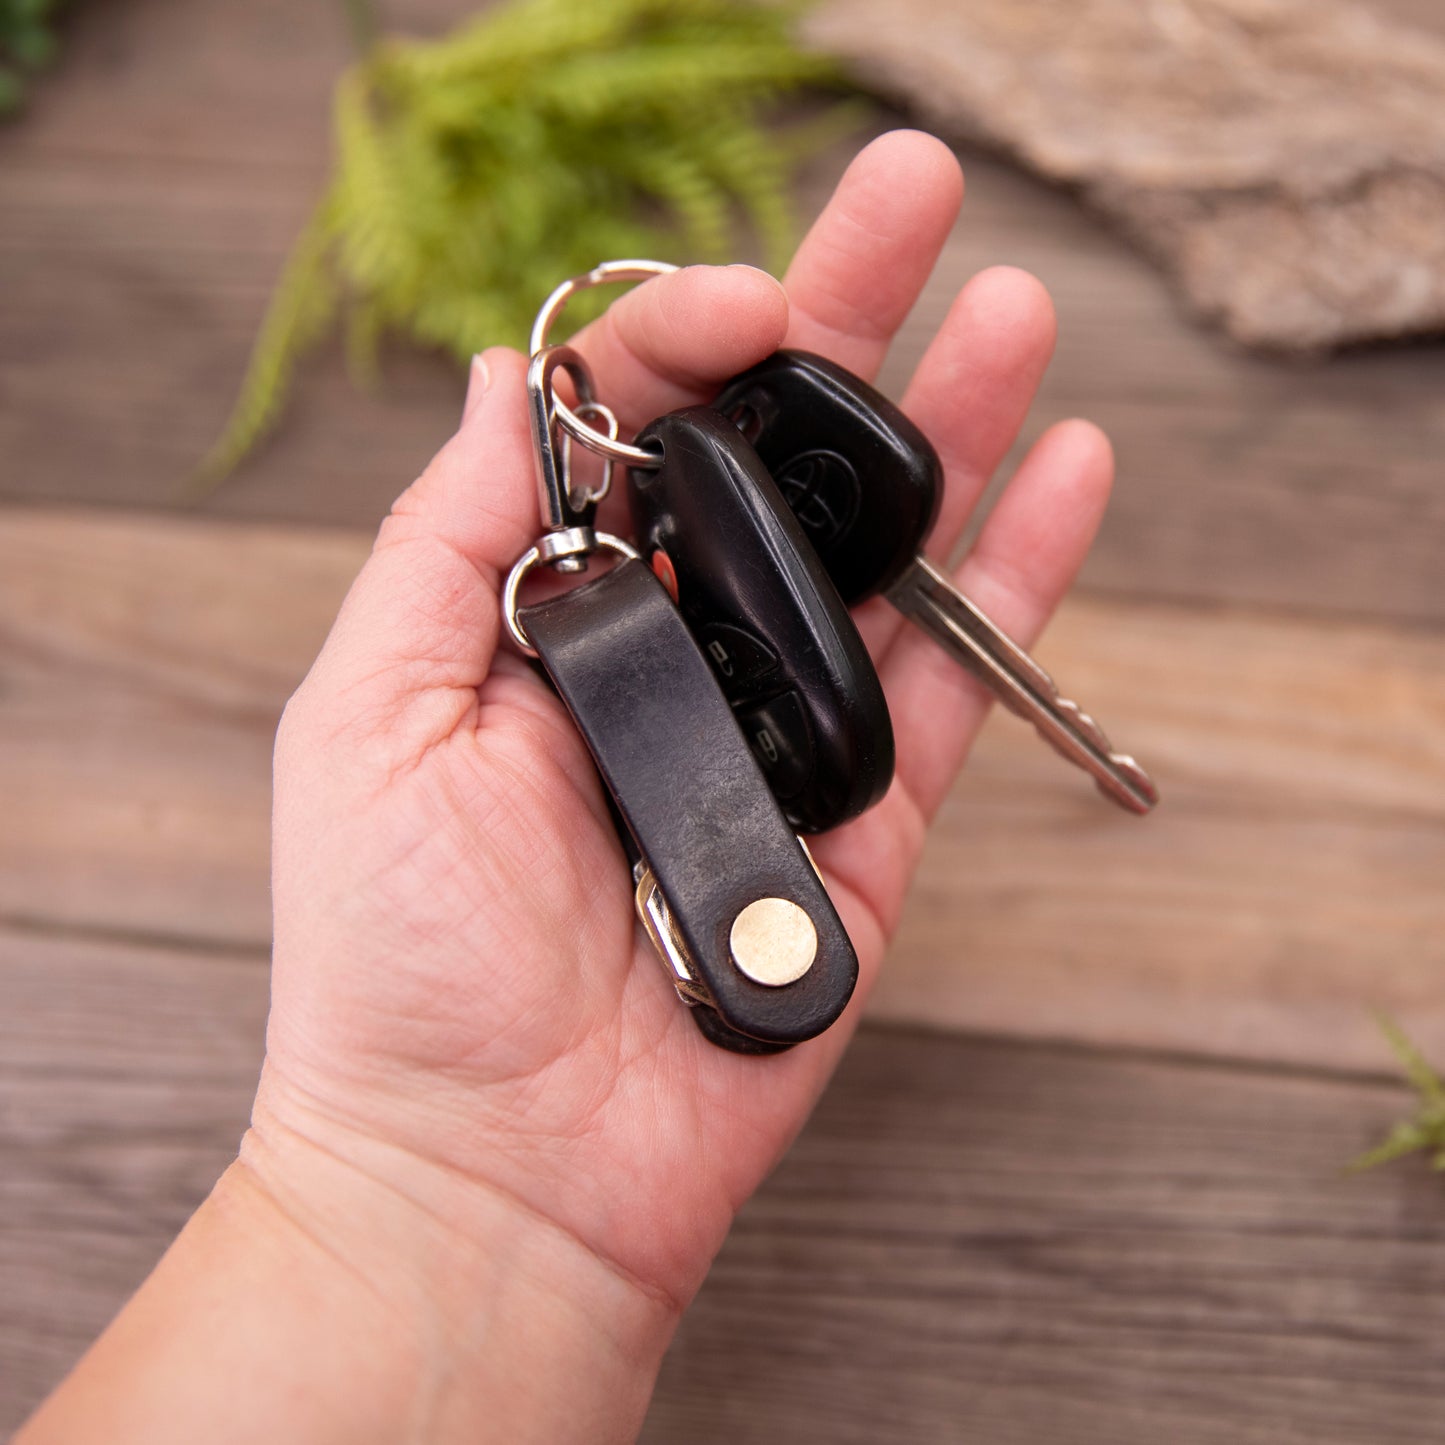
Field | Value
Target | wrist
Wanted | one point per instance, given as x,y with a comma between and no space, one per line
486,1320
309,1301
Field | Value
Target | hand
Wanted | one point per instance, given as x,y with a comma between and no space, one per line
465,1017
458,971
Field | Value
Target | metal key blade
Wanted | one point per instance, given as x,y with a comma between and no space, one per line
927,597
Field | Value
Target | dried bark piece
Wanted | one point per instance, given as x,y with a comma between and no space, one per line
1284,160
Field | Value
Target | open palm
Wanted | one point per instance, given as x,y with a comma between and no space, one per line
459,984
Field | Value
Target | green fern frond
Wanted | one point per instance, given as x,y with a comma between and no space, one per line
1425,1133
474,172
28,45
749,163
678,180
1403,1139
1425,1080
378,198
841,119
303,306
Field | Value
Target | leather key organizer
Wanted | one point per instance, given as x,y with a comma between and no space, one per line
727,891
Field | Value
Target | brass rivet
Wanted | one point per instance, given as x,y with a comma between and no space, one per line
773,942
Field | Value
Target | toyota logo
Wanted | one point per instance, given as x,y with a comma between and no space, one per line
822,490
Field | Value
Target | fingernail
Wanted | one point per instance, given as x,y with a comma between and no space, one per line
479,378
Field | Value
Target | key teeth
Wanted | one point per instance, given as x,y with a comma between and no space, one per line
1091,729
928,598
1100,739
1121,762
1083,722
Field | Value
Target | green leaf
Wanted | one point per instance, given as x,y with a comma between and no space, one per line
12,91
32,47
1425,1133
1425,1080
303,306
1403,1139
475,172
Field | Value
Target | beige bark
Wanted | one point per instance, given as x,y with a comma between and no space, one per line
1284,160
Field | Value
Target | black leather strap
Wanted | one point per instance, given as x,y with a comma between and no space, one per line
698,810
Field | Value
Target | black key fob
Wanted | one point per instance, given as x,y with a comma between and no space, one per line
861,478
714,528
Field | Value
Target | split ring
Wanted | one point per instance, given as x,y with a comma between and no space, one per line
605,274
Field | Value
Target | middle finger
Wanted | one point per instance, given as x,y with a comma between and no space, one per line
970,396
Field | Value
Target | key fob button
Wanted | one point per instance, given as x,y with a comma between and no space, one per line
741,659
778,733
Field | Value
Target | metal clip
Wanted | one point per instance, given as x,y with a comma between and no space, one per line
657,925
564,512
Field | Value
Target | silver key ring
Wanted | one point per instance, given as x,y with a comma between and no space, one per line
553,544
593,411
603,275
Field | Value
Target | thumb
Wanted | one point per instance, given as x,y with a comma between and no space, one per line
423,617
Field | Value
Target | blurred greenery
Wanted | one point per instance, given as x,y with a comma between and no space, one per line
473,173
1425,1133
27,45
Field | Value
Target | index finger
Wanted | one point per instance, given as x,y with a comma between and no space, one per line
863,264
675,340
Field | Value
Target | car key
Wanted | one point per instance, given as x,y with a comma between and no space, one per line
725,891
866,485
787,655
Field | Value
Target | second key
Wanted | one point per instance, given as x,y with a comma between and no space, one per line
866,484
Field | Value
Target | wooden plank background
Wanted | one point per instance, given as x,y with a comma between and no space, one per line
1289,886
995,1238
972,1240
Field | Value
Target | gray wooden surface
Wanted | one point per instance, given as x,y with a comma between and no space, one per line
1012,1245
975,1240
971,1241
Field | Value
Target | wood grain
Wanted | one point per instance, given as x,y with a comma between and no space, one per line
136,258
995,1242
1289,882
976,1242
143,667
126,1076
970,1240
1311,488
